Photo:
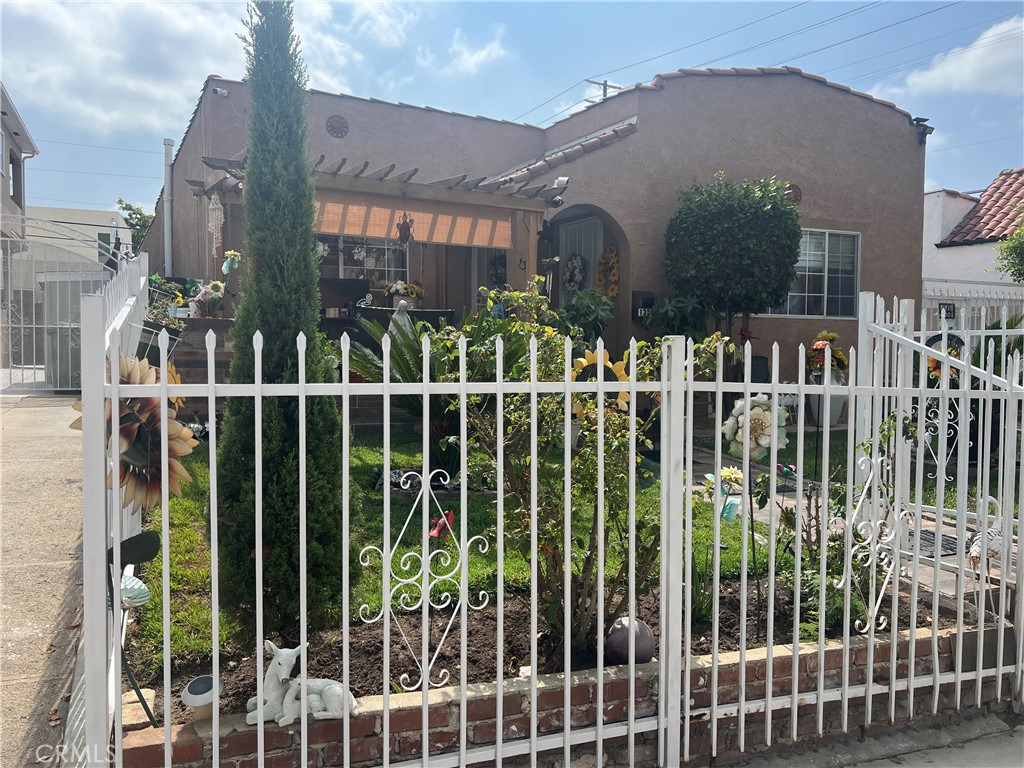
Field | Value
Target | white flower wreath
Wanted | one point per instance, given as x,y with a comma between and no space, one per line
575,273
758,431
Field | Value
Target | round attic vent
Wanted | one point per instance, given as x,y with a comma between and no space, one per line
337,126
795,195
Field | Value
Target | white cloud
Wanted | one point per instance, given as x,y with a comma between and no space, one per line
106,68
383,21
139,67
424,56
324,49
466,60
392,81
565,108
992,64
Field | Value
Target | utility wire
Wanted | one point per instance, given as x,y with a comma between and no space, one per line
95,173
975,143
76,202
660,56
794,33
700,42
920,42
911,64
98,146
865,34
808,28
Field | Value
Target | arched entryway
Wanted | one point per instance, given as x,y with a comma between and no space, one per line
592,254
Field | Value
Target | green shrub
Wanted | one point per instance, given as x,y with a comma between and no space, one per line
281,299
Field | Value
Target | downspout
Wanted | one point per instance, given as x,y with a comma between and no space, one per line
168,160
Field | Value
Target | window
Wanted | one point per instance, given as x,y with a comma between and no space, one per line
826,276
379,261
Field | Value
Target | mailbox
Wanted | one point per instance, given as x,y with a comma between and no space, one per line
643,302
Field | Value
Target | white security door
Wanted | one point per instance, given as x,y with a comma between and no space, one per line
579,246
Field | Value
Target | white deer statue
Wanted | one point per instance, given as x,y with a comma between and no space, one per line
282,693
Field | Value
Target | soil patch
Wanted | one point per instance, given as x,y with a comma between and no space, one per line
366,641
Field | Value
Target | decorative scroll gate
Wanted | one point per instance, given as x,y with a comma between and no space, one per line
41,285
876,606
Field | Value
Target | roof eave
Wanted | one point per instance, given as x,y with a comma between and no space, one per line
13,117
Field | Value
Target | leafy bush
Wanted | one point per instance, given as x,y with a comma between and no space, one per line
734,245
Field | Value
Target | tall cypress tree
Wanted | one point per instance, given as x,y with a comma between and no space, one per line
280,298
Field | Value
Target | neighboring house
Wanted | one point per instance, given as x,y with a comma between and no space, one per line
615,168
16,146
96,235
961,242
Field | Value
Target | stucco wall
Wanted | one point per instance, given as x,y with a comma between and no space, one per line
970,265
858,163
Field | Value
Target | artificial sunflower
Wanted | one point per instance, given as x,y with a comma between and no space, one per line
587,368
217,289
138,437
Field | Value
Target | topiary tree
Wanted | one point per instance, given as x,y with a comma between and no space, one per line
734,245
1010,260
280,298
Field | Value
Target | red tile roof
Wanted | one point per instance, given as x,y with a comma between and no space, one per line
995,216
538,166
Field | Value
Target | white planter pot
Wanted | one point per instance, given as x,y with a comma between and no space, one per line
816,403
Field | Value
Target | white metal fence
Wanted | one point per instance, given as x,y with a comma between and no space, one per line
860,542
966,306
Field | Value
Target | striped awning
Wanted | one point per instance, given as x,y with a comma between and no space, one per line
363,215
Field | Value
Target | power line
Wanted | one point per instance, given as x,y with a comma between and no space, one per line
794,33
976,143
920,42
661,55
98,146
705,40
76,202
949,53
95,173
808,28
866,34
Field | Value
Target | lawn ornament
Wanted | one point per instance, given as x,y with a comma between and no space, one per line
616,644
442,526
282,692
991,541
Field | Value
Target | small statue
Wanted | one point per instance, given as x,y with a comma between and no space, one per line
282,693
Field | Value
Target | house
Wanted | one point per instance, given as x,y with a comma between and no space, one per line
961,242
506,197
99,236
16,146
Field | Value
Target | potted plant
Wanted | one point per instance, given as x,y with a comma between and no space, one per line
412,292
208,299
816,355
165,299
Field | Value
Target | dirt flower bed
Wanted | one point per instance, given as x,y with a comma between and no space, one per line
238,671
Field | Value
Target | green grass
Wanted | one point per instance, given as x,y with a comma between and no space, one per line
189,568
190,553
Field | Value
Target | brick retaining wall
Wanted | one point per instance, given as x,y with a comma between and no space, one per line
192,744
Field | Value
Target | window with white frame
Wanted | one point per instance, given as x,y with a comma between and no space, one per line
826,276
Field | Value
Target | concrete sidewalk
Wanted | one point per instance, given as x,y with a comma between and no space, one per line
40,571
970,740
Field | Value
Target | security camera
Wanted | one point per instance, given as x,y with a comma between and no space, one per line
557,202
561,182
219,91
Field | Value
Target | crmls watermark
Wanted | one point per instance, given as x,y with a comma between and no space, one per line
50,754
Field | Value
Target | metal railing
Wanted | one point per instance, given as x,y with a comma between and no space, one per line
857,533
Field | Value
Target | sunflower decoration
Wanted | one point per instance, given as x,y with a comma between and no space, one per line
757,428
139,438
608,272
952,347
587,368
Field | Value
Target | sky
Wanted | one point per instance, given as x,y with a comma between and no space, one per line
100,84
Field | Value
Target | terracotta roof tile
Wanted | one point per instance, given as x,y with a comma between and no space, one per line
567,155
995,215
573,153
